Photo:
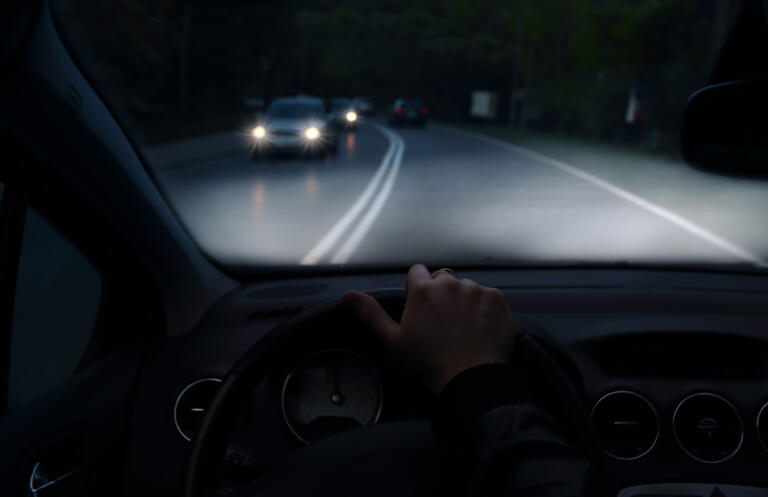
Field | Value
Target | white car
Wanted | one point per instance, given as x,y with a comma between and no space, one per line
295,124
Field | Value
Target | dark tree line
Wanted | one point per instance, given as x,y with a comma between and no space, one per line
562,65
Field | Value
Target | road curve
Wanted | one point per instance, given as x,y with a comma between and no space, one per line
443,196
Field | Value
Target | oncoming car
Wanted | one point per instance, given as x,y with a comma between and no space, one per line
295,124
364,105
343,112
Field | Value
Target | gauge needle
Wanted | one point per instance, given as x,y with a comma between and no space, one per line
337,398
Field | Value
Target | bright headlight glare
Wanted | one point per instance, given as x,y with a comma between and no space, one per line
312,133
351,116
259,132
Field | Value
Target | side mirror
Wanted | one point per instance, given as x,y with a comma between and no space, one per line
725,128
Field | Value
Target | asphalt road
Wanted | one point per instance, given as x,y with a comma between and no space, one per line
443,196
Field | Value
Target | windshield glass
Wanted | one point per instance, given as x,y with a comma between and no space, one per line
293,109
530,132
340,103
410,103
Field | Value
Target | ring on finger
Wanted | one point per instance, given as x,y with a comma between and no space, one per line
445,270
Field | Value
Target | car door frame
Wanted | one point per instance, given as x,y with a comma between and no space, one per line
87,416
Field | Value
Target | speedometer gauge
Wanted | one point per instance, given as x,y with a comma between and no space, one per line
329,392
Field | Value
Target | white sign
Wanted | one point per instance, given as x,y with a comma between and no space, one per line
484,104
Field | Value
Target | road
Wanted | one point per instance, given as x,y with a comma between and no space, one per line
443,196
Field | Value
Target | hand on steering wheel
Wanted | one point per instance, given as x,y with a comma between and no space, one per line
448,325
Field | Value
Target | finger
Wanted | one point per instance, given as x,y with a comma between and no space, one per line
418,273
443,275
370,312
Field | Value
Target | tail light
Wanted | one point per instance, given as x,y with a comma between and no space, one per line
399,111
424,111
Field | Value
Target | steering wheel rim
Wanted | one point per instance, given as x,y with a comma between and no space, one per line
218,424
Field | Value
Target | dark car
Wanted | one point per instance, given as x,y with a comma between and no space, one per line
295,124
363,105
408,111
343,112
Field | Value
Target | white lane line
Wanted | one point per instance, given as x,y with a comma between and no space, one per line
332,236
367,221
666,214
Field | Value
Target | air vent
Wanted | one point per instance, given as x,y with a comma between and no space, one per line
281,313
762,426
626,423
708,427
191,405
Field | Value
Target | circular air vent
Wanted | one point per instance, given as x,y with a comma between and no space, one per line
762,426
191,405
708,427
626,423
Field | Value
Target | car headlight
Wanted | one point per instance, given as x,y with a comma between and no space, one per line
259,132
312,133
351,116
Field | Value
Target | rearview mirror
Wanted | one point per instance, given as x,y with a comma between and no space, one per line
725,127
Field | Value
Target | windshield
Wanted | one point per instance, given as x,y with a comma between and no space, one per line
293,109
340,103
529,132
409,103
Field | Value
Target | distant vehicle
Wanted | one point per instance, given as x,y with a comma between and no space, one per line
295,124
364,105
343,112
408,111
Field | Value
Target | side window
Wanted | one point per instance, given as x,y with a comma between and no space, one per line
58,295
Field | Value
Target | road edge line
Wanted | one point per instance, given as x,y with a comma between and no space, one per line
671,217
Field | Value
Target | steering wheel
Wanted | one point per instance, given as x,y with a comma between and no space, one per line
349,462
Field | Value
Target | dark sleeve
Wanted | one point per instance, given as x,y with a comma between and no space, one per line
513,445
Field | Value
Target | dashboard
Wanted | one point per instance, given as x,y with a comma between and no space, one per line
675,367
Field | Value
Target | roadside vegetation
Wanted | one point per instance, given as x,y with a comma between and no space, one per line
175,67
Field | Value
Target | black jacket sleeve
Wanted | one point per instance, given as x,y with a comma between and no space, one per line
512,443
